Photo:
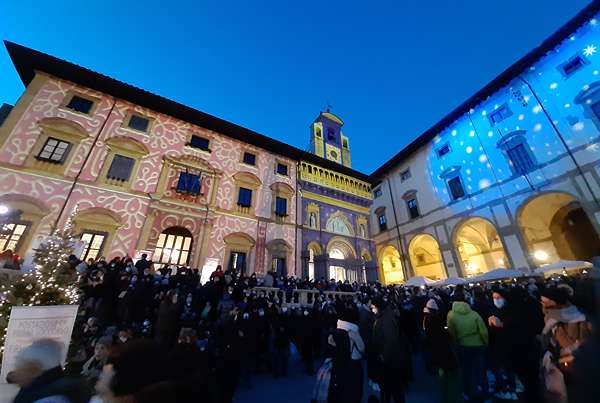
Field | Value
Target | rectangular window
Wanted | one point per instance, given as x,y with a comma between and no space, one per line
282,169
413,208
237,262
245,197
11,235
382,222
572,65
405,175
93,245
443,150
55,151
280,206
138,123
456,188
377,193
199,142
345,143
521,160
189,183
330,134
249,159
120,168
79,104
499,114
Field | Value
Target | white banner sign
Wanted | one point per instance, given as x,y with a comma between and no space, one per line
30,323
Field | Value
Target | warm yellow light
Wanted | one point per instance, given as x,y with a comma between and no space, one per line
540,255
501,262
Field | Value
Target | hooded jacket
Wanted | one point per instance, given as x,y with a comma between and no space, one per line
466,326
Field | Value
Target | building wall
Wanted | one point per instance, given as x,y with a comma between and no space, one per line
148,204
560,131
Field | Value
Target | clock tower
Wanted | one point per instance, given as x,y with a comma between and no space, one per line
328,140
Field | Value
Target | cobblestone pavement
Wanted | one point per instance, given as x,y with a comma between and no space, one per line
297,387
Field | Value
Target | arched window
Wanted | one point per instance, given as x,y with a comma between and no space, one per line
174,246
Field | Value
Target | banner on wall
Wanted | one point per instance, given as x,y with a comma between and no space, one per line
29,323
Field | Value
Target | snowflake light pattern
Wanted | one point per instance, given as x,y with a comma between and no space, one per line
589,50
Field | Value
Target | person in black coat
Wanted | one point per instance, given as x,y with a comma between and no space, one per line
167,322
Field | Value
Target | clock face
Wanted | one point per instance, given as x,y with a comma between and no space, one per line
333,153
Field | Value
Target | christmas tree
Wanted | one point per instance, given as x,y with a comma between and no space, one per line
53,281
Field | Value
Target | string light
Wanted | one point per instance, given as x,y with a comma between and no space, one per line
51,282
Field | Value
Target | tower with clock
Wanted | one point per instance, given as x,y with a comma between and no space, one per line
328,140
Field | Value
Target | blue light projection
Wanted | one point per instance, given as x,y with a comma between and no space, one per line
518,138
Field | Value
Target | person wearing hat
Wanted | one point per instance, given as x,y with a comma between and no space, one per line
441,357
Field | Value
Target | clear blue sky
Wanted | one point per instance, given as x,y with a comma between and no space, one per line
390,68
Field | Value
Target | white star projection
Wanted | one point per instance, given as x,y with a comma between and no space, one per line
593,147
589,50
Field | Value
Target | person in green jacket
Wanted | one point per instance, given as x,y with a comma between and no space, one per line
469,333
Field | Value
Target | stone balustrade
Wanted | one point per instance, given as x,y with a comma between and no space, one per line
302,298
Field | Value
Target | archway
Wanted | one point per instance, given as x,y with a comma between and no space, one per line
426,258
391,265
174,246
96,228
338,251
239,245
314,249
479,246
556,227
279,252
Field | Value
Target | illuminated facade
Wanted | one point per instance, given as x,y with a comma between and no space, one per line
334,240
508,179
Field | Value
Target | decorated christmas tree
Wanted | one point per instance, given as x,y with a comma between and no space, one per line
53,281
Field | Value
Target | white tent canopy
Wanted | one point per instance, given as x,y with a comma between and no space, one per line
563,265
495,275
418,281
450,281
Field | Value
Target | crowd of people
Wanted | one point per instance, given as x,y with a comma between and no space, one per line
146,335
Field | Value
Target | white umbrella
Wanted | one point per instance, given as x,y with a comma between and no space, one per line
450,281
418,281
563,265
496,274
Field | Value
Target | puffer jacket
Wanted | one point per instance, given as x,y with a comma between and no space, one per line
466,326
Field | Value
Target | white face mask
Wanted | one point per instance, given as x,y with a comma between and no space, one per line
284,309
123,339
499,302
374,310
261,313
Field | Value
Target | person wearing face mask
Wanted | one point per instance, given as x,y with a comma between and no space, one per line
501,336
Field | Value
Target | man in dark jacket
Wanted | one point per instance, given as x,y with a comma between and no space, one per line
391,351
39,373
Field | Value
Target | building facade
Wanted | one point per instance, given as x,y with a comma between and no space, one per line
143,174
511,178
334,241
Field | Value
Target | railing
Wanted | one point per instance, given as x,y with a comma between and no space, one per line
301,298
325,177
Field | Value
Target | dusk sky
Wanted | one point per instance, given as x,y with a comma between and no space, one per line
390,69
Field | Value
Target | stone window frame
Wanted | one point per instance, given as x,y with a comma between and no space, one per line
74,93
250,181
450,173
577,56
407,197
511,140
60,129
362,221
285,191
127,147
125,124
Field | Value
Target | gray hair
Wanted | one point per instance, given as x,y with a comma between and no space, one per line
47,353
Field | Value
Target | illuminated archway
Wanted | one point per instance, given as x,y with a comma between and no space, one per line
426,258
555,227
314,249
391,265
338,250
479,246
